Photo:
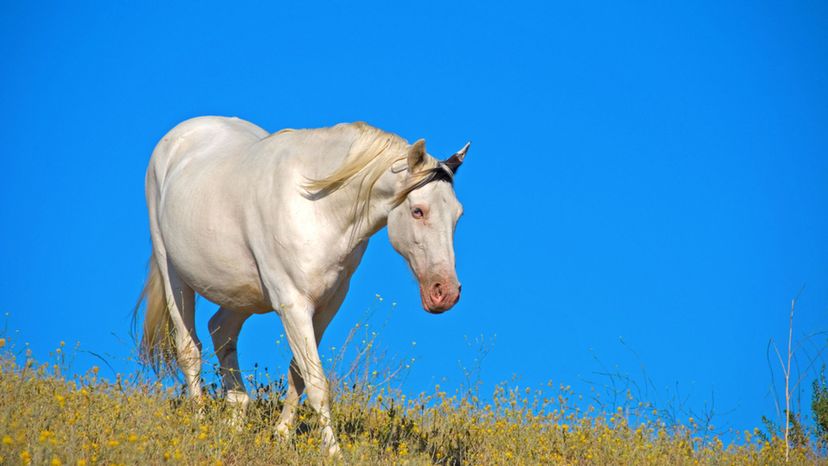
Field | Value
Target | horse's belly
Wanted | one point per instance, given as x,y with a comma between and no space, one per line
232,283
211,256
240,296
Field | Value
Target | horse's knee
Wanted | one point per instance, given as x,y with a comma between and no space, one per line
224,348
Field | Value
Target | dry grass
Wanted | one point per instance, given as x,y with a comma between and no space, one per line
46,418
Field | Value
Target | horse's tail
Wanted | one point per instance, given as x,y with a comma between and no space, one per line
157,346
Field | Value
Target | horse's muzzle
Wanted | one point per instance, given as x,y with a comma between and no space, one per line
440,295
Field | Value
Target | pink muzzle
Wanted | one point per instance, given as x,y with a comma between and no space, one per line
440,295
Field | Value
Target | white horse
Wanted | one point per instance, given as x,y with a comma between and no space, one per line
257,222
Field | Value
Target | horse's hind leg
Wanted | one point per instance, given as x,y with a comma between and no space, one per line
181,305
225,326
180,298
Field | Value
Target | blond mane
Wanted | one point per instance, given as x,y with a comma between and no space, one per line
372,153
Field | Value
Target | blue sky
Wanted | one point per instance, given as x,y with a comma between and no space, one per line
646,190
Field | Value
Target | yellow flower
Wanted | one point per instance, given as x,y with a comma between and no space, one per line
7,440
81,462
55,461
25,457
113,443
2,342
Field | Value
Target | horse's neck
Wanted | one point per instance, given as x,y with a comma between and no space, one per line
359,228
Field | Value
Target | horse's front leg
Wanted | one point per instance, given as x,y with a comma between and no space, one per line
321,318
298,320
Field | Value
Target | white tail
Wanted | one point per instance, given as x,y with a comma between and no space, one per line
157,347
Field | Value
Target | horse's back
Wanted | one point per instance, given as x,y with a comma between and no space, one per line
207,136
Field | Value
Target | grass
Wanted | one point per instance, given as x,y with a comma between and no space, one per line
48,418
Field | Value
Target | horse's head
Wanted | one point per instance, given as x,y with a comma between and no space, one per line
421,225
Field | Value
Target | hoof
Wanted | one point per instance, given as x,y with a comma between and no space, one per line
283,431
238,402
334,452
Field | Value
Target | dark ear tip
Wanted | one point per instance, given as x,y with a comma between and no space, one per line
462,153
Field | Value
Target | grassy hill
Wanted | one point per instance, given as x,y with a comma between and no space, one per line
46,418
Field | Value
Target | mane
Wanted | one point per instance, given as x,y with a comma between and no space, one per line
372,153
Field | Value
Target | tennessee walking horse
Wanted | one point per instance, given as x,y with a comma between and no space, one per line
258,222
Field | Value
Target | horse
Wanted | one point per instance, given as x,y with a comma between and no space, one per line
258,222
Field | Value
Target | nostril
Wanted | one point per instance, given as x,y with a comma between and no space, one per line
459,288
437,292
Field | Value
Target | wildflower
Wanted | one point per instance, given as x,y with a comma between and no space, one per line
7,440
81,462
113,443
2,342
55,461
25,457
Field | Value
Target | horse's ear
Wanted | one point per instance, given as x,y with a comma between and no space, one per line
416,154
454,162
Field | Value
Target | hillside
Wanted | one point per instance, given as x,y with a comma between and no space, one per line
46,418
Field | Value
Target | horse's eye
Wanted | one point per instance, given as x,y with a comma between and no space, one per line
417,212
